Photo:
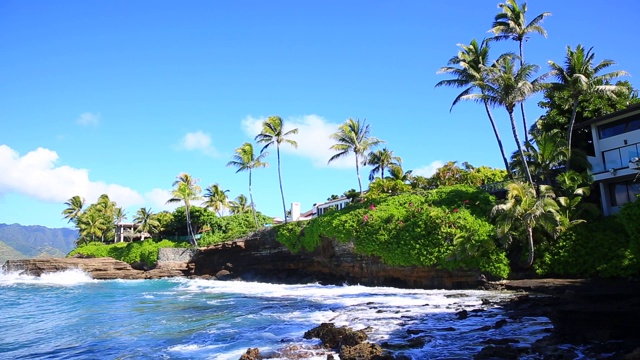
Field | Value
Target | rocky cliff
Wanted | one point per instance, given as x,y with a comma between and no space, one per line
99,268
262,257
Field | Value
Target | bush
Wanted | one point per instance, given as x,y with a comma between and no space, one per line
441,230
137,251
597,249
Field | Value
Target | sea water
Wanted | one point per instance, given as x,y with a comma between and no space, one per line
68,315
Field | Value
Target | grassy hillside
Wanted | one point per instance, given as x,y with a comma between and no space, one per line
9,253
37,241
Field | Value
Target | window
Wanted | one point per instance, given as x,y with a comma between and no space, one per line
623,192
619,127
612,159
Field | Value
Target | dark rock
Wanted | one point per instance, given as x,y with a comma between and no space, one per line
462,314
224,275
499,324
328,333
500,341
498,352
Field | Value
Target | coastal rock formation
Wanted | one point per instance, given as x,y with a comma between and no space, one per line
98,268
262,257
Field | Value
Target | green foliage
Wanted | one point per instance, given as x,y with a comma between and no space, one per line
596,249
629,216
137,251
440,229
231,227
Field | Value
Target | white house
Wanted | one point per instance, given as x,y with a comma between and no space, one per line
616,164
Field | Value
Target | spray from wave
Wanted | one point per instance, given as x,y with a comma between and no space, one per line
62,278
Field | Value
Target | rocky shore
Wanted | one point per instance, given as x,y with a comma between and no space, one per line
600,318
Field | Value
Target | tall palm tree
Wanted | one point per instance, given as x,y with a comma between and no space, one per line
186,190
216,199
469,69
511,24
273,133
146,221
580,77
508,87
74,209
523,207
396,173
92,224
381,160
545,154
245,160
239,205
353,136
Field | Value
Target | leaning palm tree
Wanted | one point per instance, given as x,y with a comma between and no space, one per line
245,160
469,69
216,199
353,136
239,205
580,77
381,160
545,154
146,221
273,133
508,87
186,190
510,24
524,208
74,209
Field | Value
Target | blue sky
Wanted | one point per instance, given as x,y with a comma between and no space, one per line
119,97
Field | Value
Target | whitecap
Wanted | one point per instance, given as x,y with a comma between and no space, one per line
69,277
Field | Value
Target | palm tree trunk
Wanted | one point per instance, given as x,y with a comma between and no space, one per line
574,111
189,228
524,118
495,131
284,206
531,249
517,139
253,207
358,172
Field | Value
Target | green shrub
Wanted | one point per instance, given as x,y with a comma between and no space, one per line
411,229
137,251
629,216
596,249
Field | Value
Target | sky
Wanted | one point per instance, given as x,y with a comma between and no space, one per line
120,97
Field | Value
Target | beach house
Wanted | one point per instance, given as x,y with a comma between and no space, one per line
616,157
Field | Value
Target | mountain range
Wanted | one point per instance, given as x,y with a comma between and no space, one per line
19,241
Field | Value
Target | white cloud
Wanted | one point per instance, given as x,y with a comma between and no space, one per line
157,199
428,170
36,175
199,141
88,118
313,139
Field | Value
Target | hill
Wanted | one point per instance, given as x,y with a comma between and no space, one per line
9,253
36,241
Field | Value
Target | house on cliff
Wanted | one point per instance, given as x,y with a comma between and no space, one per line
616,157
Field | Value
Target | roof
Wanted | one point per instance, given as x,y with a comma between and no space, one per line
630,109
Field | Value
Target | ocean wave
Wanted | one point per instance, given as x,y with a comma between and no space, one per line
70,277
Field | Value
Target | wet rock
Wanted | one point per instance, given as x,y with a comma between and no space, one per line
462,314
251,354
363,351
505,341
505,352
224,275
499,324
333,337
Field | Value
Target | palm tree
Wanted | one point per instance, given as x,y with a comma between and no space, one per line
353,136
381,160
92,224
396,173
146,221
245,160
523,207
511,24
471,72
508,87
580,77
273,133
239,205
544,155
216,198
185,190
74,209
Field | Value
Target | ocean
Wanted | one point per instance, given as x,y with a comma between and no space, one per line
69,315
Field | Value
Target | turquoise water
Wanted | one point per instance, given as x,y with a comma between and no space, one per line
68,315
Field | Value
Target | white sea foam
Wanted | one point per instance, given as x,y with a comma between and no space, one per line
62,278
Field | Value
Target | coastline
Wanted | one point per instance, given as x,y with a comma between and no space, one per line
599,316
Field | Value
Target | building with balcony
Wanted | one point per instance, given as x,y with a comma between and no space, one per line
616,164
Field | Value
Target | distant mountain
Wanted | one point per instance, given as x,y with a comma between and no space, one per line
37,241
9,253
